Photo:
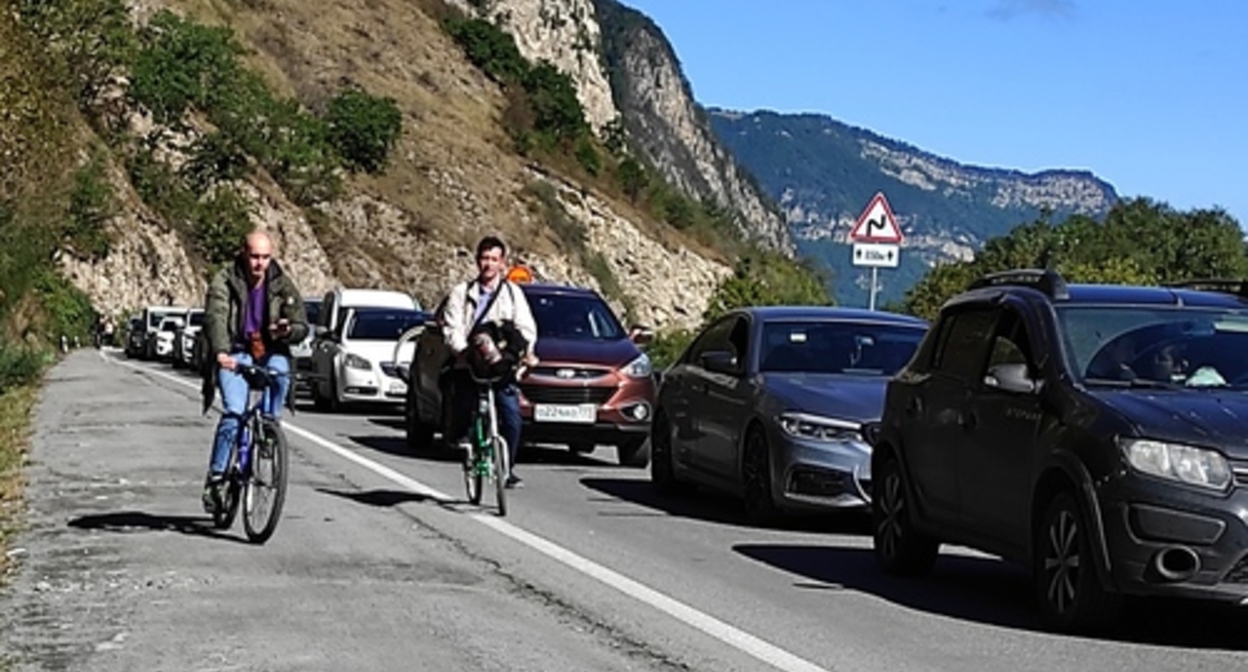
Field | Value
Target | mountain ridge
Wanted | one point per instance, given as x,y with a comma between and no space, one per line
823,171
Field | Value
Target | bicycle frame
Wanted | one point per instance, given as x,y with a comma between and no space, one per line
488,460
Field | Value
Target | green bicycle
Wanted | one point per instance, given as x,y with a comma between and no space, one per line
487,451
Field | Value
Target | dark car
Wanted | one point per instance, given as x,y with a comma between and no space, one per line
593,384
301,353
768,403
134,337
1095,434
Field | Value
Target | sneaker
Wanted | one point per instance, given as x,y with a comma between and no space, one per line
513,481
211,499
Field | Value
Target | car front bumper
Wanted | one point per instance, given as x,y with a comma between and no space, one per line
371,386
820,475
1154,527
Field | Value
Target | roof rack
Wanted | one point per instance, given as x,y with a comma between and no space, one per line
1045,280
1224,285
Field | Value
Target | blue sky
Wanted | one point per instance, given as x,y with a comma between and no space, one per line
1151,96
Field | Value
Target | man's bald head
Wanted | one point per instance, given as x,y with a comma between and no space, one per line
257,253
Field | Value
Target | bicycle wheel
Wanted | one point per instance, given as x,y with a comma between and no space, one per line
265,489
227,509
500,473
474,478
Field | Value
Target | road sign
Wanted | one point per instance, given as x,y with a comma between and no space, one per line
879,255
877,224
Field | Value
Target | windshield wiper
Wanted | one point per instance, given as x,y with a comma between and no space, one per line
1135,383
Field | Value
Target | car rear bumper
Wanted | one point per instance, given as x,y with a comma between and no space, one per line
598,433
1170,540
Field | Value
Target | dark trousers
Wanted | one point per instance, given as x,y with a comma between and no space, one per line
506,406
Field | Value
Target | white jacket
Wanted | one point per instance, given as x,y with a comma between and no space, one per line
462,304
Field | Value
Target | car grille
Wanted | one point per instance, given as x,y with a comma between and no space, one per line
1238,573
820,483
1241,474
568,372
541,394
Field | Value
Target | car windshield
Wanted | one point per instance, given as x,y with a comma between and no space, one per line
575,317
382,325
864,349
1150,346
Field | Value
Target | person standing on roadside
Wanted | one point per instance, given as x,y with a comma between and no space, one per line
488,299
252,315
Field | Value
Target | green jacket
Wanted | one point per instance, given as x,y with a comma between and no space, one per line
223,317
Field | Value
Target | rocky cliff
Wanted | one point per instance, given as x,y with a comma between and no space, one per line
666,125
452,177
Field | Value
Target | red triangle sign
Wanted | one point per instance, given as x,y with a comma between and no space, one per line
877,224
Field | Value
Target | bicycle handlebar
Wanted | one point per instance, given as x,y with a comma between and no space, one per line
259,377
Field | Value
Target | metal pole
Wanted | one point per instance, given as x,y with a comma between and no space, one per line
874,274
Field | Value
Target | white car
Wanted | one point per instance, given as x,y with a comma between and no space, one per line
163,344
359,357
184,337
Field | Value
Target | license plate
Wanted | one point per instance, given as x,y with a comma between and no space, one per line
579,413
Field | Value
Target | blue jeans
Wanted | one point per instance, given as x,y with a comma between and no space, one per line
234,394
506,405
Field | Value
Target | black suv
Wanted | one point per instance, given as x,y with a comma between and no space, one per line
1096,434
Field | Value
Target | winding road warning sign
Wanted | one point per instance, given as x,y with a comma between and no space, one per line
877,224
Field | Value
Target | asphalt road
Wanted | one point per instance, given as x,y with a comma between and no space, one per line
379,565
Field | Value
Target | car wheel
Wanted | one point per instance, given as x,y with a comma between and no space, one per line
662,459
899,547
319,400
1070,593
760,504
634,453
419,433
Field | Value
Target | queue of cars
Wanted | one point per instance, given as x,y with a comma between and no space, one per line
1096,435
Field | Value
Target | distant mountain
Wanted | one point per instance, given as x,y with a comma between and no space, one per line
823,173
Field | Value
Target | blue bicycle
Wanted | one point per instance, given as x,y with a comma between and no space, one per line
257,471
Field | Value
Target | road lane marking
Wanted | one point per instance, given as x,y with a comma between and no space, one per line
728,634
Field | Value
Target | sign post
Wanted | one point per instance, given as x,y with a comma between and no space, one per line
877,240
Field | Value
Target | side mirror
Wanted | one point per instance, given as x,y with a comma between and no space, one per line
719,361
1011,378
640,335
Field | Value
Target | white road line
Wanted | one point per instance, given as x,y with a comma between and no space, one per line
730,635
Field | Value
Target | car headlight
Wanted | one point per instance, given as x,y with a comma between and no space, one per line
356,362
1177,462
818,428
639,368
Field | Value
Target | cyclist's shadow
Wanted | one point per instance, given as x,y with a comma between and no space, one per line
127,522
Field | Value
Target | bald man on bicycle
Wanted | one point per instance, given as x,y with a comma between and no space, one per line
253,313
471,307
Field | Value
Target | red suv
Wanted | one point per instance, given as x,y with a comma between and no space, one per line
593,384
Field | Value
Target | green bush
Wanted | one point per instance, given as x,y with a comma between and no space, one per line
91,204
67,310
363,128
214,158
222,219
587,156
93,37
666,347
488,47
557,111
18,366
182,64
765,278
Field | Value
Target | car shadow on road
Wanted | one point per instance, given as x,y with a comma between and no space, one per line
722,509
993,592
138,521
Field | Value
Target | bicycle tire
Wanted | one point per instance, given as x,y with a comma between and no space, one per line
500,473
223,516
474,481
265,490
